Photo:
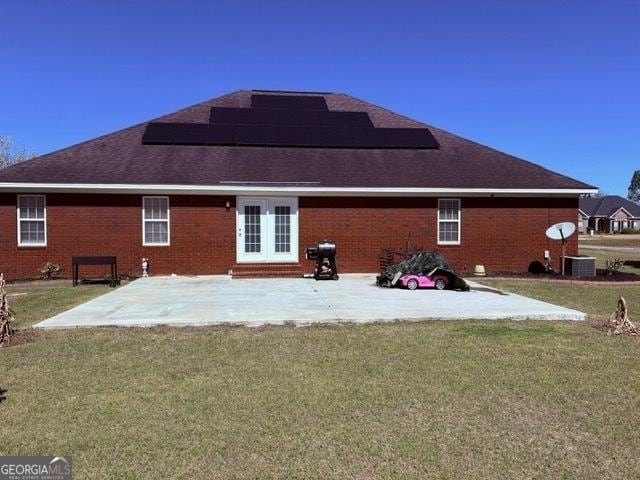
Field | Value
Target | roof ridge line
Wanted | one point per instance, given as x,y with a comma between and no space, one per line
304,92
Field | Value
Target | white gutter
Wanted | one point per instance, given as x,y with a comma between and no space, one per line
287,190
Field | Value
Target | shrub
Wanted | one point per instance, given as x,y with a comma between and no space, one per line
629,230
613,265
50,270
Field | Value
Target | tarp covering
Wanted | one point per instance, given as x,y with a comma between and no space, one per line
422,261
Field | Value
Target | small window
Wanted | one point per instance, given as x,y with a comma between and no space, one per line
155,220
32,221
448,221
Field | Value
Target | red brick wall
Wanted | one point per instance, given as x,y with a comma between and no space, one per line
501,233
202,234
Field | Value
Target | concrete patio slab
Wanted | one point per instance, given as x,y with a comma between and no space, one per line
216,300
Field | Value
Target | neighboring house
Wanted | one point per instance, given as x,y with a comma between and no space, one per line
246,181
608,214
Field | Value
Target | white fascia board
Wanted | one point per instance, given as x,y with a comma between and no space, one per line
315,191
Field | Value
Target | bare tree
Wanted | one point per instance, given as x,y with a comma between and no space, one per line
11,154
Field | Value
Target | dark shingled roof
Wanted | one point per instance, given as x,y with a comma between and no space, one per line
121,158
608,205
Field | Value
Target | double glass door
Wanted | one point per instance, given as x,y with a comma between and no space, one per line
267,229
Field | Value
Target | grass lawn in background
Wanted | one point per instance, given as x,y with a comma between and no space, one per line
618,240
632,259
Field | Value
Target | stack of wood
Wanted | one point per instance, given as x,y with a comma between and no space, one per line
619,322
386,258
416,261
6,330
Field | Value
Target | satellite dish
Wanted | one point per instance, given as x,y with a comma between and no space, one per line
560,231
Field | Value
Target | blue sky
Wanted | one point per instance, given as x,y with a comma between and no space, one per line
554,82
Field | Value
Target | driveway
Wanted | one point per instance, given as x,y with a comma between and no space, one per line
216,300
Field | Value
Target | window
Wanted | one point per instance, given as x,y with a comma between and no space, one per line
32,221
448,221
155,220
283,229
252,229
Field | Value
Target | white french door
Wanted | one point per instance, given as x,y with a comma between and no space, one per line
267,229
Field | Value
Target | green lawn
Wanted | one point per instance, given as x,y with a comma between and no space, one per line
33,303
632,260
472,399
598,301
618,240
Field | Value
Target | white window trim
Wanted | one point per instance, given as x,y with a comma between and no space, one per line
145,220
19,228
459,222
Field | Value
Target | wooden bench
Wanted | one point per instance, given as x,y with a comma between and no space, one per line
77,261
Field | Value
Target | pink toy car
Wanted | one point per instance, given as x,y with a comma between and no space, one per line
424,280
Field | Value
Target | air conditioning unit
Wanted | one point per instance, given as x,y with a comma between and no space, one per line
580,266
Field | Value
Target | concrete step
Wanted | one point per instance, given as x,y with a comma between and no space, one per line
268,270
267,274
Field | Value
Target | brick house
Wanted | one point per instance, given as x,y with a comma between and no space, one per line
608,214
245,181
